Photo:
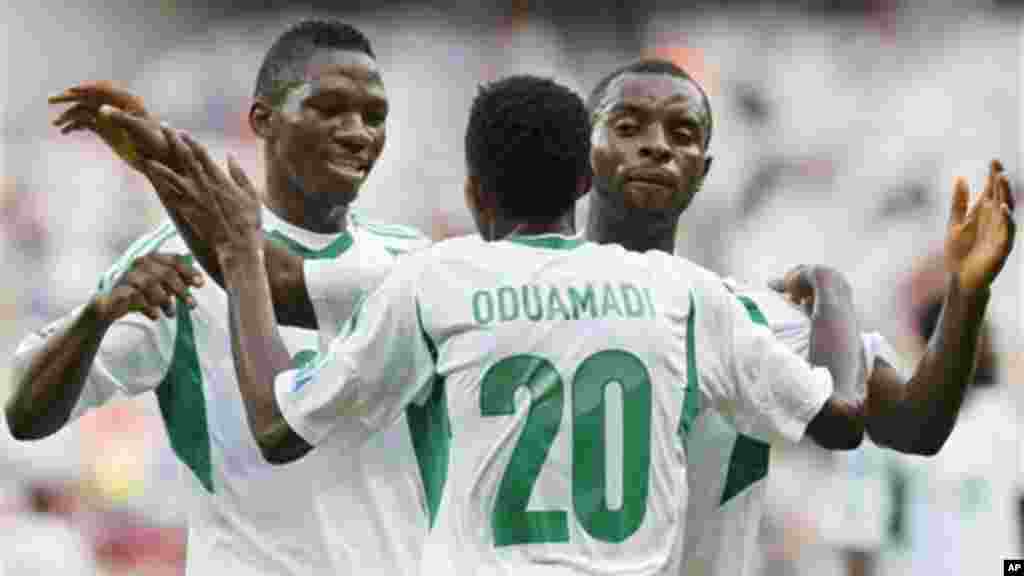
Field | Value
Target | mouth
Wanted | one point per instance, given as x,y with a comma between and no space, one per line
352,167
658,179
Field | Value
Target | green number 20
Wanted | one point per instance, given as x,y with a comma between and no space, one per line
511,523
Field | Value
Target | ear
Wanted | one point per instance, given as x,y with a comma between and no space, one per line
707,167
583,184
261,119
471,189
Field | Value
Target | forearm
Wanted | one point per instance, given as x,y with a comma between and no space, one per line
256,346
835,341
286,274
919,416
836,345
48,388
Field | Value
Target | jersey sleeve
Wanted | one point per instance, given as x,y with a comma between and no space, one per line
378,365
753,379
133,358
335,290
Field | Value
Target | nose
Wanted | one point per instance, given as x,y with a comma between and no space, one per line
655,147
352,133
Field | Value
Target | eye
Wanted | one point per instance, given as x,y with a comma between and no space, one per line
626,127
685,135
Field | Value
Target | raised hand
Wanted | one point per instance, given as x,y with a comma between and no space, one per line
148,286
979,238
114,114
223,213
798,287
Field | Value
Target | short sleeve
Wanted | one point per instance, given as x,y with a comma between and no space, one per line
335,287
877,347
133,357
377,365
748,375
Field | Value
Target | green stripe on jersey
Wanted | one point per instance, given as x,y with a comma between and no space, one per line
691,402
749,460
430,429
144,245
183,403
392,230
551,241
337,246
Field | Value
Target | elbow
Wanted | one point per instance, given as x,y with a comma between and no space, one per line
281,445
838,426
24,428
916,444
847,440
273,454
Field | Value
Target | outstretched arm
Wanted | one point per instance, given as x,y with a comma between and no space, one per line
50,377
918,416
915,416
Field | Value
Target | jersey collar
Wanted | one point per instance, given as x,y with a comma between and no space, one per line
550,241
307,244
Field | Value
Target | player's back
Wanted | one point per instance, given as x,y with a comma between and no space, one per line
565,369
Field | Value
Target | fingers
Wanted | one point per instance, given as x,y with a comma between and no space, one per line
777,284
202,157
144,133
160,279
181,153
151,291
961,197
127,300
169,182
97,94
78,127
1003,193
240,177
78,112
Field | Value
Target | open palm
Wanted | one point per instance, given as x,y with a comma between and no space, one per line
979,238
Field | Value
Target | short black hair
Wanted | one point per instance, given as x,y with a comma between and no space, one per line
650,66
283,63
528,142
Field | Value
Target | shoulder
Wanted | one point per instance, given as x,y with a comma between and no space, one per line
396,238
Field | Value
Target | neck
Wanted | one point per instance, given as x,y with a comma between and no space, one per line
637,232
562,225
289,201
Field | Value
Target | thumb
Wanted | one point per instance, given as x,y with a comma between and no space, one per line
239,176
961,196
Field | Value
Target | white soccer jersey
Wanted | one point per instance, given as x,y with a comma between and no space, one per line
248,516
727,486
572,373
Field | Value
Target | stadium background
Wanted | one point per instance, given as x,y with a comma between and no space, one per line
839,127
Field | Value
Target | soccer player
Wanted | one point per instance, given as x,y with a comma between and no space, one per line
651,132
573,371
320,108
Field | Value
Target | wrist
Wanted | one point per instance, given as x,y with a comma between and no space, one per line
972,300
238,257
99,312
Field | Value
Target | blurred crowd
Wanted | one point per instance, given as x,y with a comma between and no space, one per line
836,140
